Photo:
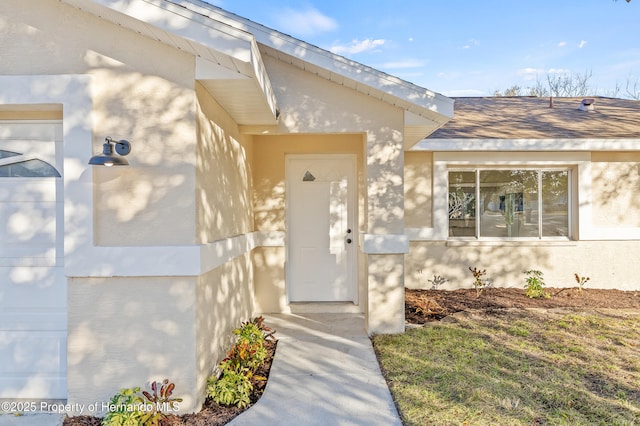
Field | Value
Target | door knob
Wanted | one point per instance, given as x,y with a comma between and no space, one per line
348,240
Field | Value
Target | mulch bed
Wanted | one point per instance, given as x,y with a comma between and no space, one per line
423,306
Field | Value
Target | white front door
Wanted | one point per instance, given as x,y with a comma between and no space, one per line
321,255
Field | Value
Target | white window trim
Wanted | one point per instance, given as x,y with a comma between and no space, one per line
443,161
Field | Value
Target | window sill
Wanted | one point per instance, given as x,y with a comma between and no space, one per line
460,242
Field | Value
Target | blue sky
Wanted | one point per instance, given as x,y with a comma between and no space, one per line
468,47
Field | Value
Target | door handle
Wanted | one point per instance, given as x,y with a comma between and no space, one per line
348,240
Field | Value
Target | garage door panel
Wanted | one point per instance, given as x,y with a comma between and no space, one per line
25,373
28,224
21,190
32,287
29,256
35,319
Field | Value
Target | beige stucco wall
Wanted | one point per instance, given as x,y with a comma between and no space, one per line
418,191
223,194
224,299
126,332
616,185
609,264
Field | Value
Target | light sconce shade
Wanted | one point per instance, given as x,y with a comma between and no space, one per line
107,158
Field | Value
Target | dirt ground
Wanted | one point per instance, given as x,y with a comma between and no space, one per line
422,306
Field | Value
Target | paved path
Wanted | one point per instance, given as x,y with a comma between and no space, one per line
325,372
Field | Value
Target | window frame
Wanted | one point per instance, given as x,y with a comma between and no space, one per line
539,169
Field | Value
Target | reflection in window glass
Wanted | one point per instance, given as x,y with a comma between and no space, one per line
29,168
7,154
555,203
462,204
510,203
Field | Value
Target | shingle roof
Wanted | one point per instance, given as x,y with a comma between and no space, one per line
532,118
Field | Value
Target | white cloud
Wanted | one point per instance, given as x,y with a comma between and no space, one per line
582,44
471,43
562,44
529,74
357,46
305,22
563,71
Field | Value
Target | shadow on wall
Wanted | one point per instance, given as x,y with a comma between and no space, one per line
147,202
504,264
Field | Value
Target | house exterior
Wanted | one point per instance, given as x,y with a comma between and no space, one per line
265,175
515,184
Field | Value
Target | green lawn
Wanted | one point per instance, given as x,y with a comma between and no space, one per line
517,368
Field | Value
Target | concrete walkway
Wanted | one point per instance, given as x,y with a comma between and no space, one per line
325,372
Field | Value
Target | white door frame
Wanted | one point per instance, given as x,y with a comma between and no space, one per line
353,211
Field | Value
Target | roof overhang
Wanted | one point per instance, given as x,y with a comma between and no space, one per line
228,61
425,111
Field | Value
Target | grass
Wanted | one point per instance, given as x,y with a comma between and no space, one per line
517,368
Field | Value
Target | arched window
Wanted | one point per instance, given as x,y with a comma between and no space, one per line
23,167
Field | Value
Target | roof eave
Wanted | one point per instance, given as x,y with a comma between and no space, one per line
225,55
433,108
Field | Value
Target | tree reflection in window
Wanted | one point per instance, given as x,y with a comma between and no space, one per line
25,168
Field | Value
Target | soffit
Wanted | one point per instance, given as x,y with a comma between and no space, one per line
228,61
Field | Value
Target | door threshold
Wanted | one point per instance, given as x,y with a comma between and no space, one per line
324,308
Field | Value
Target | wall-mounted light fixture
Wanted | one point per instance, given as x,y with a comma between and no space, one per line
107,158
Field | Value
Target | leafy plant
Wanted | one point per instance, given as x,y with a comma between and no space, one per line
124,408
581,281
231,388
160,400
128,407
535,284
234,383
437,281
479,282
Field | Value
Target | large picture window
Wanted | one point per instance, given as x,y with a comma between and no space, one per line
509,203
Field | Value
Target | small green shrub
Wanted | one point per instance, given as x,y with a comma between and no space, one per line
535,284
129,408
437,281
479,282
581,281
233,386
124,408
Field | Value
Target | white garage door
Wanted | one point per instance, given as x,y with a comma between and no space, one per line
33,323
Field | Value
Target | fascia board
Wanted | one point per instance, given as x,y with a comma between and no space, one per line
527,145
